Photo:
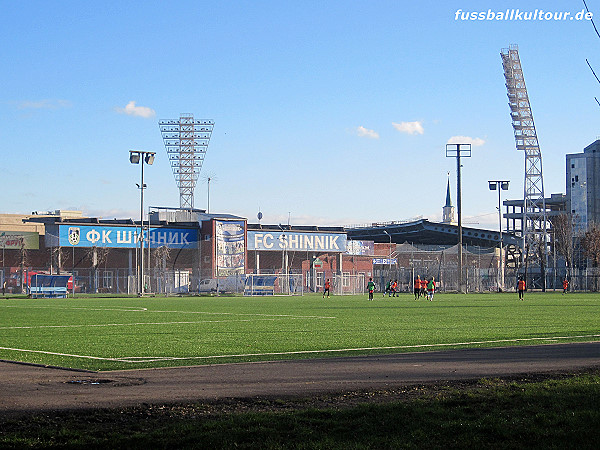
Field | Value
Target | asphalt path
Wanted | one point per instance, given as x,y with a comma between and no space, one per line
25,388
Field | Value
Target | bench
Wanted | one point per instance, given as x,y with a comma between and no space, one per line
48,286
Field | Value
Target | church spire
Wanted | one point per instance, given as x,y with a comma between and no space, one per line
448,199
448,209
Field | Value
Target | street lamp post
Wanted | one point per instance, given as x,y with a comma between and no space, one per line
141,157
500,185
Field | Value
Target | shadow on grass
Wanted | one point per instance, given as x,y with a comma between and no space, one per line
558,411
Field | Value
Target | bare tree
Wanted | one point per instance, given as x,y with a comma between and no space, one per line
24,254
539,251
591,243
98,255
57,257
591,246
161,259
563,237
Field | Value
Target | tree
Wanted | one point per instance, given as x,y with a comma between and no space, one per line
591,243
563,237
98,255
161,258
591,246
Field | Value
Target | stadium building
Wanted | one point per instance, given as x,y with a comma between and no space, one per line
190,250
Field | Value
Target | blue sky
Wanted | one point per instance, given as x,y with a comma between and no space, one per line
326,112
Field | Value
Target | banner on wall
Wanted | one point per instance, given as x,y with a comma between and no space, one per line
360,248
384,261
124,237
16,240
296,241
230,247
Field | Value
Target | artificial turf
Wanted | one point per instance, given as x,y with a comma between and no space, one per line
125,333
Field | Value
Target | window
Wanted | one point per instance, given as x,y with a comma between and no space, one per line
572,166
107,279
576,177
319,279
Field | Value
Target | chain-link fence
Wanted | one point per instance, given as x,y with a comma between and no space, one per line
173,282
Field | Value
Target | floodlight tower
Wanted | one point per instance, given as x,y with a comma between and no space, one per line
186,141
534,204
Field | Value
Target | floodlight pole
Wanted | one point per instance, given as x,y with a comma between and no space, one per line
500,185
456,151
141,157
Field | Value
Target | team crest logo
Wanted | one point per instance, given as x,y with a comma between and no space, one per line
74,235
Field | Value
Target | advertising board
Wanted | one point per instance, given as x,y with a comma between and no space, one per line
296,241
231,247
124,237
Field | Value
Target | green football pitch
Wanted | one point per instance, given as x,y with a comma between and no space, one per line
131,333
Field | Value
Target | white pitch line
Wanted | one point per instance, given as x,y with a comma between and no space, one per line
244,314
35,327
122,309
57,354
398,347
141,309
142,359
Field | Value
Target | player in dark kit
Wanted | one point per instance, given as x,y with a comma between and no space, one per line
326,288
371,288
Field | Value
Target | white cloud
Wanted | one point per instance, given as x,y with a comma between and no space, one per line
415,127
44,104
140,111
475,142
365,132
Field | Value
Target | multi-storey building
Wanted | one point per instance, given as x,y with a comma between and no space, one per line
583,186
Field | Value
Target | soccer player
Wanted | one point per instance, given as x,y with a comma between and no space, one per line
326,288
424,287
431,288
388,287
417,287
521,288
371,288
394,288
565,286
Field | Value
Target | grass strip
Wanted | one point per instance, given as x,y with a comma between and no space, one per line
544,411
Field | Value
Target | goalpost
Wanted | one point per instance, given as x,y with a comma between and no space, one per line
276,284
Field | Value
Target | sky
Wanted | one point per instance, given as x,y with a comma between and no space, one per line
326,112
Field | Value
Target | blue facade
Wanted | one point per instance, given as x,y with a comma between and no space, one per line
123,237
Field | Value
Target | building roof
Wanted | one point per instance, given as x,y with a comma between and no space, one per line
430,233
299,228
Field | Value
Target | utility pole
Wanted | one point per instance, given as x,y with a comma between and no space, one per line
457,151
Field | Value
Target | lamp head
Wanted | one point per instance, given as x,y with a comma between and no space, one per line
134,157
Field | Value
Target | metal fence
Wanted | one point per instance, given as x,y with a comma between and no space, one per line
173,282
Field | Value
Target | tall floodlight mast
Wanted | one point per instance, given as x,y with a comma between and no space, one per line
534,206
186,141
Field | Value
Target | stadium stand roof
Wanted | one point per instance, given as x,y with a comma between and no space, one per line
429,233
307,228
